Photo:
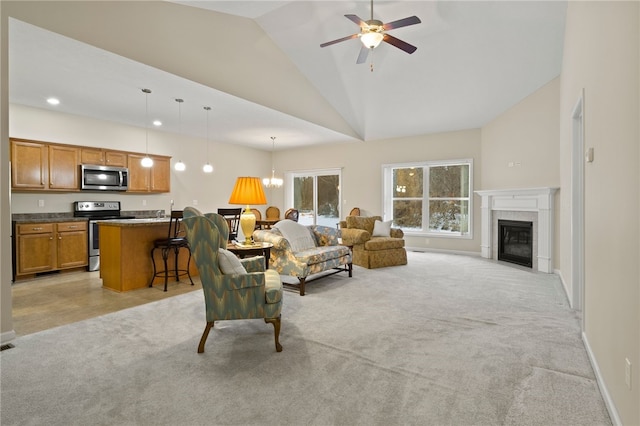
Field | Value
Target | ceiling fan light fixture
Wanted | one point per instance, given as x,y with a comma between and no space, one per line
371,40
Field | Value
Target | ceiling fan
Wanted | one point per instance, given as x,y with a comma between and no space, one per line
373,32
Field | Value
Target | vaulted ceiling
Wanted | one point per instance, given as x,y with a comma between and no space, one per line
260,67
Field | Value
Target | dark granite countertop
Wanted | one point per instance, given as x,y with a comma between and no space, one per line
69,217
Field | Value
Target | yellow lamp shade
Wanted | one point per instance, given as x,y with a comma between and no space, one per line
247,190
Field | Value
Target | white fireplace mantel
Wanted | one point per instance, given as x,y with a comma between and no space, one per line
538,200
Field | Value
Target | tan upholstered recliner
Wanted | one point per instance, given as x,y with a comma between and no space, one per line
373,251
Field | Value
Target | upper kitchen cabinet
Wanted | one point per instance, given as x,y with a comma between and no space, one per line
40,166
156,178
29,165
63,167
44,166
103,157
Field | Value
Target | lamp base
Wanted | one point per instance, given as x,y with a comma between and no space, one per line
247,224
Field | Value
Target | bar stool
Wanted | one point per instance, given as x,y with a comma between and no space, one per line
174,242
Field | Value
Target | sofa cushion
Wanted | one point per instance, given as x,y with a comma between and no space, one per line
299,236
383,243
381,229
272,286
362,222
229,263
322,254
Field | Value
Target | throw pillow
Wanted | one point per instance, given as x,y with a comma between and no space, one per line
298,235
229,263
381,229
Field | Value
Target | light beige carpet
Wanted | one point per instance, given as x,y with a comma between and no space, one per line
444,340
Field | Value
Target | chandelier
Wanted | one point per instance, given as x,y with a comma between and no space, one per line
273,181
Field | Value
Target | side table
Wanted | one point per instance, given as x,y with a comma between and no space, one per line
257,249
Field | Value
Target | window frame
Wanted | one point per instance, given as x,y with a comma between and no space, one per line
387,196
289,176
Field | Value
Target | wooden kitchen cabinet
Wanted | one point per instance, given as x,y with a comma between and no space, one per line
157,178
44,247
35,248
63,167
72,249
29,164
103,157
42,166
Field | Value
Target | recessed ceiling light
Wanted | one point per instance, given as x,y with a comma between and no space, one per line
157,123
53,101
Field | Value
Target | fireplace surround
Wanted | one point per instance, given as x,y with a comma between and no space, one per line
528,204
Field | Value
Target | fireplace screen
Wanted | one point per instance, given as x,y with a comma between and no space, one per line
515,242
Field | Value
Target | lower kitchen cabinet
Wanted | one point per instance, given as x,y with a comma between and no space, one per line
44,247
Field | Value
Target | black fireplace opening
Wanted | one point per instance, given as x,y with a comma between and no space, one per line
515,242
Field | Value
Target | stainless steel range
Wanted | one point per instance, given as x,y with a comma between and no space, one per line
95,211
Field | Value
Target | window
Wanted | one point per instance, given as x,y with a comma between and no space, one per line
429,198
316,196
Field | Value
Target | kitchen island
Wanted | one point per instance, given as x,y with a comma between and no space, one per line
125,253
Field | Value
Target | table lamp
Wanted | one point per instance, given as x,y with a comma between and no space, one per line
248,190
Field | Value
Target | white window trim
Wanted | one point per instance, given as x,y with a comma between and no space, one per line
290,175
387,188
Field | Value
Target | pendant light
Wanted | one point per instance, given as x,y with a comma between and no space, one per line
180,166
146,161
207,168
272,182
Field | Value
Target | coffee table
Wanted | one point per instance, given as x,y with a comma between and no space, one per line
257,249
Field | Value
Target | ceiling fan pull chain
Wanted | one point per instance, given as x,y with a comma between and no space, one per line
371,64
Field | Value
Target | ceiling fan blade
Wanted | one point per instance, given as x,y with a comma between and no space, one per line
356,19
412,20
362,56
403,45
329,43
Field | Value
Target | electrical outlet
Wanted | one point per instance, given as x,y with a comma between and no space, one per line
510,164
195,202
144,202
40,203
427,241
627,372
172,202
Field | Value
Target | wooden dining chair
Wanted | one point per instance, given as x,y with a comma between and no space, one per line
232,216
273,212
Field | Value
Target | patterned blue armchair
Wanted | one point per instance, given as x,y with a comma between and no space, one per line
247,291
300,251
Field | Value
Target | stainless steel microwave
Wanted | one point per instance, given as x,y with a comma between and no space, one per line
104,178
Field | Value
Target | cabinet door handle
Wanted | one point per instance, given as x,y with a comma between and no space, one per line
72,227
59,236
37,228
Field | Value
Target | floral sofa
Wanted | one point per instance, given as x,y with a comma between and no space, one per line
373,249
301,251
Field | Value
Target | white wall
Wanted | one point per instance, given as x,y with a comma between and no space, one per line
6,321
602,56
528,134
210,190
520,148
362,162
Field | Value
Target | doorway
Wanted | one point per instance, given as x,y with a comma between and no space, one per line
577,206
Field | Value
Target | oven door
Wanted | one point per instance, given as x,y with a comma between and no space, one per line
94,246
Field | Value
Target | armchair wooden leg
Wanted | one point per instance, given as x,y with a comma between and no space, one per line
276,331
203,339
302,281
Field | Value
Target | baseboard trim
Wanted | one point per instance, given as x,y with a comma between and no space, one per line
434,250
608,401
7,337
558,272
